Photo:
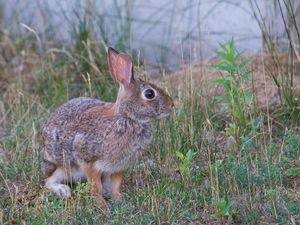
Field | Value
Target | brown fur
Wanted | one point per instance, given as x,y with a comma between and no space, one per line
102,138
116,184
94,177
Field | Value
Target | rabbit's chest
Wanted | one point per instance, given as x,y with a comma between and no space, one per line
130,135
125,148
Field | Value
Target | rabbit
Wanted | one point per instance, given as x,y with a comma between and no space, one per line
88,139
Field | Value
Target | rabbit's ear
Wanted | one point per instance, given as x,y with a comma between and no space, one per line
124,69
112,61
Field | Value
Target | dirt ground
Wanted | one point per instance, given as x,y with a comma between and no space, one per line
265,90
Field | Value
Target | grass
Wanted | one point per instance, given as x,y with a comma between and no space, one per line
216,160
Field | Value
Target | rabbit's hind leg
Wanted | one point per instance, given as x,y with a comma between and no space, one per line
94,178
55,183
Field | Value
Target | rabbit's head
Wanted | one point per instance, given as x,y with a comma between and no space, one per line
136,99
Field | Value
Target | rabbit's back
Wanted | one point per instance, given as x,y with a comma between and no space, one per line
68,111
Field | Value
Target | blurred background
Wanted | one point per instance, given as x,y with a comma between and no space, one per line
165,34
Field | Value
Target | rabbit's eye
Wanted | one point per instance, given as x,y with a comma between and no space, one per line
149,93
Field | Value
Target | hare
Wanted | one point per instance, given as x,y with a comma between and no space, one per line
90,139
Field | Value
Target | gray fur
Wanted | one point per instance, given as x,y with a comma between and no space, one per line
109,136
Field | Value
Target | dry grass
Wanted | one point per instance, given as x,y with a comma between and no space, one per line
251,181
155,191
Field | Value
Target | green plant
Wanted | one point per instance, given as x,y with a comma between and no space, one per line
293,145
224,208
186,160
294,171
237,101
82,189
